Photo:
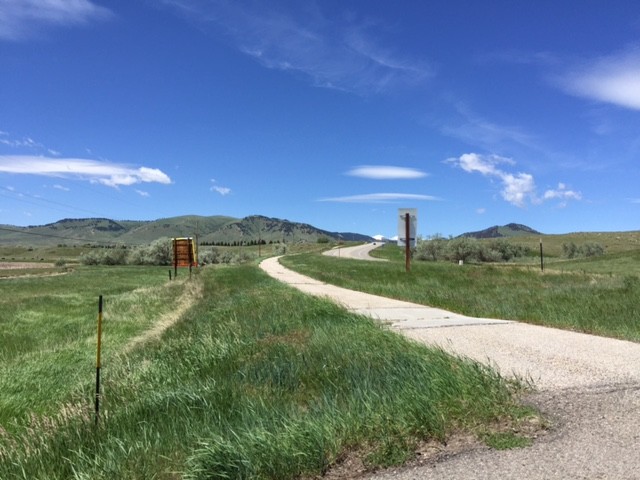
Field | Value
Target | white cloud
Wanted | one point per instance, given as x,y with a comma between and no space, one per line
109,174
380,198
338,54
60,187
562,193
484,164
20,19
517,188
219,189
142,193
611,79
382,172
481,211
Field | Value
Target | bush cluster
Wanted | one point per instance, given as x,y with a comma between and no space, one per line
159,252
468,249
589,249
213,256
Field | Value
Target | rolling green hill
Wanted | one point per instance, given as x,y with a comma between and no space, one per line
209,229
505,231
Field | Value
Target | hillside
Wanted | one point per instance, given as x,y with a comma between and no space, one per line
209,229
506,231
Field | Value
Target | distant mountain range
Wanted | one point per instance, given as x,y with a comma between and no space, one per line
505,231
209,230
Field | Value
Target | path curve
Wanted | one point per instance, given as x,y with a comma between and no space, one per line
359,252
588,385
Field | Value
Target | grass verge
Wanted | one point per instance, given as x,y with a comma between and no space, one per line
580,300
257,380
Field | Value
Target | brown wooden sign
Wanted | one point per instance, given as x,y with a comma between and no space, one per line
184,252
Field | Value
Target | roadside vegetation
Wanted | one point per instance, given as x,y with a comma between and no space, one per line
251,379
596,295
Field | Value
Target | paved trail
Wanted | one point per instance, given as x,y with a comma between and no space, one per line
589,386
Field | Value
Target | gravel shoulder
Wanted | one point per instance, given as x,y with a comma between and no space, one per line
588,386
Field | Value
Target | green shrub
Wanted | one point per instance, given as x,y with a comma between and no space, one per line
159,252
280,249
462,248
90,258
589,249
432,249
209,257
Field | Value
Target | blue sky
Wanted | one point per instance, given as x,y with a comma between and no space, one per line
334,113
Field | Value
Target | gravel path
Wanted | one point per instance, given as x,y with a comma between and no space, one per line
588,386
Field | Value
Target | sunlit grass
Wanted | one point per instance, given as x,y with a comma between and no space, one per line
575,297
255,380
48,329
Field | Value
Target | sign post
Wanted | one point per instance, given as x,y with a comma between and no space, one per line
99,344
407,245
407,228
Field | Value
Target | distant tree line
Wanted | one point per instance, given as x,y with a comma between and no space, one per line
237,243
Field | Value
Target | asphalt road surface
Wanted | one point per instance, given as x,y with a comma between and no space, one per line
587,386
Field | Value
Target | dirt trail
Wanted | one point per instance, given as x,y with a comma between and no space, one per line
193,291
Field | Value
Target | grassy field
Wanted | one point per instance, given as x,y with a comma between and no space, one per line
613,242
48,330
596,295
250,379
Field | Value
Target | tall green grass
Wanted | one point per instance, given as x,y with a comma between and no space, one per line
599,303
258,380
48,330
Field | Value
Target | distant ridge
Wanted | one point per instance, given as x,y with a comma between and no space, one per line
508,230
213,230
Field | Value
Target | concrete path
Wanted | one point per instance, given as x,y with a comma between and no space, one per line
588,385
400,314
359,252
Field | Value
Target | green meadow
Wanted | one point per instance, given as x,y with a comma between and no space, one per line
596,295
225,374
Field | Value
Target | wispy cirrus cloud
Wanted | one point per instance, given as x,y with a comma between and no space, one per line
26,142
613,79
110,174
385,172
21,19
519,188
380,198
333,53
478,131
